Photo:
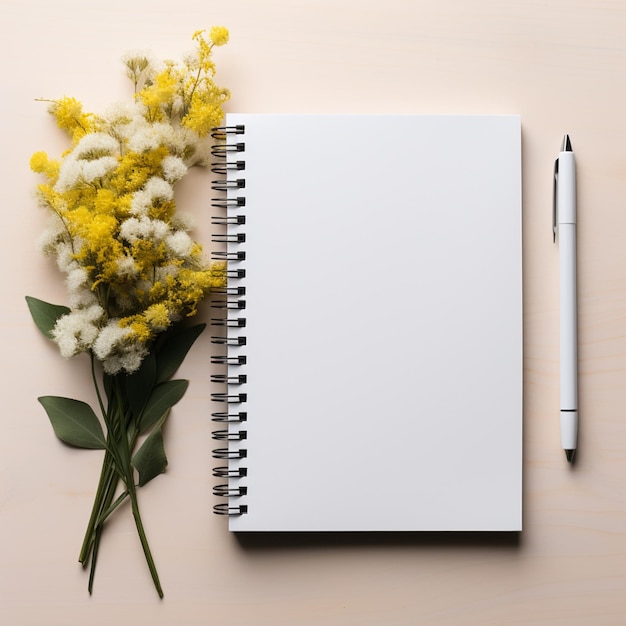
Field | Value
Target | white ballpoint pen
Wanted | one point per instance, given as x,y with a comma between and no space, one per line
564,223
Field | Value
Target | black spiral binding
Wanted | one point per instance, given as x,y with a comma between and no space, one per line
230,323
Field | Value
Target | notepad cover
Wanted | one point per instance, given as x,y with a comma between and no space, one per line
383,323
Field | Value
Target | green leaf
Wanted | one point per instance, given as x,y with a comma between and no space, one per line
173,347
162,399
139,385
45,315
150,459
74,422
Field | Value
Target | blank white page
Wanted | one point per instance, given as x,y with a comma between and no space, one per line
383,323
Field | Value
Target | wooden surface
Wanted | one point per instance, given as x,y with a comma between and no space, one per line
562,66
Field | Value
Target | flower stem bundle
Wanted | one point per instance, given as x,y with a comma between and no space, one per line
133,272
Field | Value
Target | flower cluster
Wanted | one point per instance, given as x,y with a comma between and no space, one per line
131,267
132,270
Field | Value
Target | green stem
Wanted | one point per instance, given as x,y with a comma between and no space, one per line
103,517
144,539
95,383
97,534
107,485
104,496
122,434
125,450
94,558
187,105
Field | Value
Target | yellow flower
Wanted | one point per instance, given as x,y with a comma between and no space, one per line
100,246
162,210
219,35
218,269
107,201
157,317
139,327
42,164
159,95
69,116
135,168
203,115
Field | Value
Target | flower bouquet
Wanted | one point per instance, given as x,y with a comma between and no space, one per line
132,270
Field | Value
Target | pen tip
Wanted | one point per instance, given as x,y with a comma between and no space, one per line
567,144
569,454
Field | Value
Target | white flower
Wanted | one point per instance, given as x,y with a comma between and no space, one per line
109,339
93,313
92,170
75,170
182,141
131,230
159,230
131,359
155,189
120,112
174,168
126,267
140,203
128,361
159,189
144,139
115,348
143,228
76,331
69,173
81,298
49,240
65,258
77,278
180,243
96,145
146,136
125,126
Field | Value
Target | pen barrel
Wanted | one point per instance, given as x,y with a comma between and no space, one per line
566,217
568,318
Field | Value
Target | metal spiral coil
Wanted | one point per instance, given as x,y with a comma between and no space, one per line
226,509
229,321
225,416
220,220
227,472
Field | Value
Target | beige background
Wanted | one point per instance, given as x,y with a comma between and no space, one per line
562,66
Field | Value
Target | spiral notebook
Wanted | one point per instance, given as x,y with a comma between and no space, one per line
370,337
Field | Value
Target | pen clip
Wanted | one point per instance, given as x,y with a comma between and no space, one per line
554,193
